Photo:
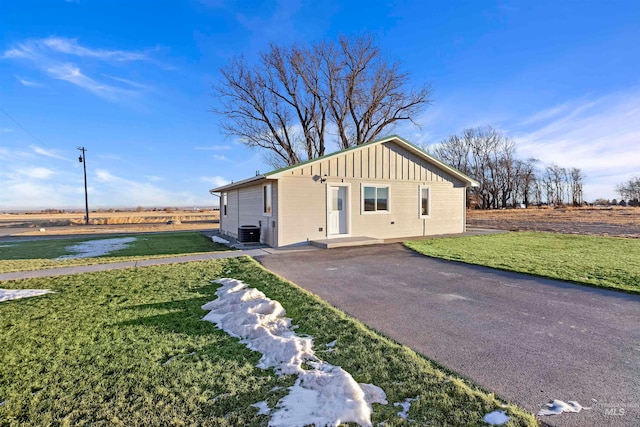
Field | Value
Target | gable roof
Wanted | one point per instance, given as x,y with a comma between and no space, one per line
275,174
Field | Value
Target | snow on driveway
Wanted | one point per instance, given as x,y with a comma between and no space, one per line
323,395
556,407
93,248
11,294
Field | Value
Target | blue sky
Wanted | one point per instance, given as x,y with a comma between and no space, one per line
131,81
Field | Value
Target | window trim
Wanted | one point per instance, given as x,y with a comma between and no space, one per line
264,200
420,188
225,200
375,212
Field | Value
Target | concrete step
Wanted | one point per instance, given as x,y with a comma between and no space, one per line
341,242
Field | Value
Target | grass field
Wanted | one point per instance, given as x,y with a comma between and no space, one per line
606,262
39,254
96,352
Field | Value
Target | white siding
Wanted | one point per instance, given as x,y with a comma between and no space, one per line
244,207
302,199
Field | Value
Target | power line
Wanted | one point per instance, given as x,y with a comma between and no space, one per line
23,128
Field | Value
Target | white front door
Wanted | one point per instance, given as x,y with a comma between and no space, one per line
337,210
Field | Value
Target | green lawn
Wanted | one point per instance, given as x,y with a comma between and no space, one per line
39,254
94,353
607,262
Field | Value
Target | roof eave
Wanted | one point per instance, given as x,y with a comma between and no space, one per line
238,184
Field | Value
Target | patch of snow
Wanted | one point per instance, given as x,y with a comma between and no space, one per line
405,406
330,346
11,294
6,246
218,239
496,418
323,395
263,408
556,407
93,248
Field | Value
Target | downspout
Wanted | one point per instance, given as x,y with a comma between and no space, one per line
464,210
219,209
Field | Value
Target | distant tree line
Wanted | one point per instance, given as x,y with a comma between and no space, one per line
629,192
490,157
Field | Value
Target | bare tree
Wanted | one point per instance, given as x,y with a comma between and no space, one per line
486,155
630,191
556,180
526,180
576,181
286,102
489,156
454,151
255,114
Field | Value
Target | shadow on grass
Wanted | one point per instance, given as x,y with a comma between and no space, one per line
185,317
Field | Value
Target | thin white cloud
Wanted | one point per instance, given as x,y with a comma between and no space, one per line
216,181
214,148
29,182
72,74
220,158
37,173
106,176
23,194
19,52
28,83
57,57
154,178
601,137
109,156
546,114
6,130
48,153
71,47
116,190
128,82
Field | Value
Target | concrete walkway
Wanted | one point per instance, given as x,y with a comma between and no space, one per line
63,271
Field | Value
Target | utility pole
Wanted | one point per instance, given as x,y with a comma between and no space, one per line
83,159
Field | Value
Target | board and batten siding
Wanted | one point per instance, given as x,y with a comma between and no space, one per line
302,201
388,161
244,207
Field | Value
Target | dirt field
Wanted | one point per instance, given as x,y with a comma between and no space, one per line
619,222
31,224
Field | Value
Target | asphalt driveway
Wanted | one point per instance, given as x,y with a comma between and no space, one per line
527,339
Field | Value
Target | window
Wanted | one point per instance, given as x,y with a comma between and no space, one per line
375,198
266,200
425,202
224,204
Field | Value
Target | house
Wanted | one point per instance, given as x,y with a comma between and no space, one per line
387,188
